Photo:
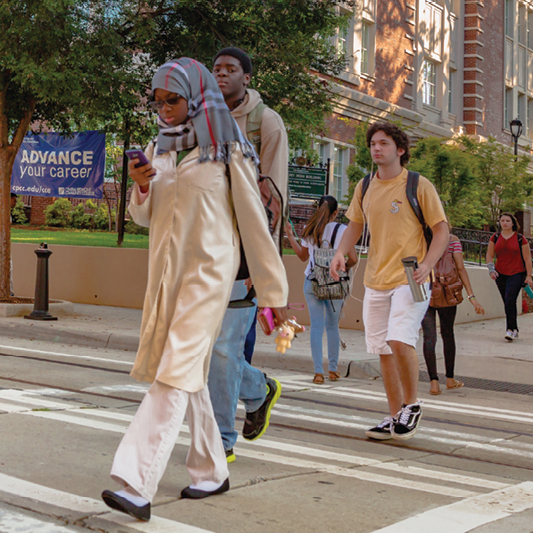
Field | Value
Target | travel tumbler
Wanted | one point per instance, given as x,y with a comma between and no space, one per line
410,264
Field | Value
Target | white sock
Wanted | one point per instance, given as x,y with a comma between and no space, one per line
207,486
129,494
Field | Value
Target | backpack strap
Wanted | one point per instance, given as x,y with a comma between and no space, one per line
253,126
334,234
520,237
364,187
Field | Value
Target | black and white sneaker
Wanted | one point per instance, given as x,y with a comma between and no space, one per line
509,335
515,334
406,422
382,431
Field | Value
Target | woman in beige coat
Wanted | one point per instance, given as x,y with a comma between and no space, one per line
199,197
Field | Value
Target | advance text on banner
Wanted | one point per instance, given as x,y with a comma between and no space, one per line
50,164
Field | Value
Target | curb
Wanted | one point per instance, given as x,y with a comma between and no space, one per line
56,307
298,362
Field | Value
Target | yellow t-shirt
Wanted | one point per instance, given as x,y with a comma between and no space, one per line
395,232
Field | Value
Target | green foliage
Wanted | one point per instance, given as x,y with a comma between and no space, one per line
17,213
362,162
101,217
503,181
134,229
59,213
80,219
286,39
450,168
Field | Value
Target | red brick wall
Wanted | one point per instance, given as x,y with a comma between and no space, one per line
390,58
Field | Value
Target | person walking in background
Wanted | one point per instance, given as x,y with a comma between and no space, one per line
391,316
196,223
324,314
231,377
447,315
511,252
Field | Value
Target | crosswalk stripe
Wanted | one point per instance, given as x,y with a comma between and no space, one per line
82,504
11,522
499,414
469,514
288,461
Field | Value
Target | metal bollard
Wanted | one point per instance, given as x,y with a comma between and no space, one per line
40,305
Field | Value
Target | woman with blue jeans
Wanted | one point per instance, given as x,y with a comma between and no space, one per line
324,314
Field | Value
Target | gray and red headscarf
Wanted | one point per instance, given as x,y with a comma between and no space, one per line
210,125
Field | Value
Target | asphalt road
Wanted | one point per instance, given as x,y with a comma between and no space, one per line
63,410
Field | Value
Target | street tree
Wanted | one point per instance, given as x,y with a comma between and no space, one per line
450,168
61,61
503,180
289,41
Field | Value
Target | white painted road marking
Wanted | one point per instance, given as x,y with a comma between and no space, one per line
71,502
466,515
11,522
58,354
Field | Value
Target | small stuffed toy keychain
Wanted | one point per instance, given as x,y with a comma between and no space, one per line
286,332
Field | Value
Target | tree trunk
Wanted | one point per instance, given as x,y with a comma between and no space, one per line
8,152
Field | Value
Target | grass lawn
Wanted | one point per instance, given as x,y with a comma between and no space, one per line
78,237
74,237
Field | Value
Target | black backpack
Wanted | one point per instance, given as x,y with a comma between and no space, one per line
411,190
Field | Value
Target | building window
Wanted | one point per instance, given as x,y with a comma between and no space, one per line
508,107
450,91
529,118
338,172
429,83
529,27
342,42
322,153
508,17
522,107
365,45
522,24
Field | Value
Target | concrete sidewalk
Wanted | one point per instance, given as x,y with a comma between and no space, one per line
482,351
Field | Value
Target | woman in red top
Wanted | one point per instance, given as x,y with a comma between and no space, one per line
513,267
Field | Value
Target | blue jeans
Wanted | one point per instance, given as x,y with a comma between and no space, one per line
323,314
231,378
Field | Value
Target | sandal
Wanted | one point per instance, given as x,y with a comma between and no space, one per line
318,379
437,391
334,376
456,385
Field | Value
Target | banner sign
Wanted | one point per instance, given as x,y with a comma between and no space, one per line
49,164
307,183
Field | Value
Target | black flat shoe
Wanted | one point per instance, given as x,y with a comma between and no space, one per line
125,506
196,494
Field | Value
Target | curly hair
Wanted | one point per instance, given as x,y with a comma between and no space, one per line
400,138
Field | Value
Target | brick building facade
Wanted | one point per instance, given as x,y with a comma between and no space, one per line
442,67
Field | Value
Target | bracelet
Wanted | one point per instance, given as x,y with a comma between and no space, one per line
471,297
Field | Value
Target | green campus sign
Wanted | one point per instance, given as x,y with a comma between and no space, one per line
307,183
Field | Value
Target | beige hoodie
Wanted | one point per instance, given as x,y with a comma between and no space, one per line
274,144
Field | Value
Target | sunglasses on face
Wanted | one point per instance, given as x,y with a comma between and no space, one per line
169,102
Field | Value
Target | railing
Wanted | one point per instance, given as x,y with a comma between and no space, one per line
475,243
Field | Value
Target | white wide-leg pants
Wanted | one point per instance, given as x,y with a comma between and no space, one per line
143,454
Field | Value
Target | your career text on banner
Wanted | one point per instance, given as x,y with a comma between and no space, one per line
49,164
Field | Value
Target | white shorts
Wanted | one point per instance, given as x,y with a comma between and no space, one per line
392,315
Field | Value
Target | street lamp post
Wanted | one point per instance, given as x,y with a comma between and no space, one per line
516,131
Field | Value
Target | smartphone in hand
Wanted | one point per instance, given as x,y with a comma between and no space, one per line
138,154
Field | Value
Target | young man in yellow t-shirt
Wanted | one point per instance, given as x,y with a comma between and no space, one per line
391,317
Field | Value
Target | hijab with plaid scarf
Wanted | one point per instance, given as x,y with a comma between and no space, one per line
210,125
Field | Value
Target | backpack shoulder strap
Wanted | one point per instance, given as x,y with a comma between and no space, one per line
253,125
364,187
334,234
520,237
412,195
